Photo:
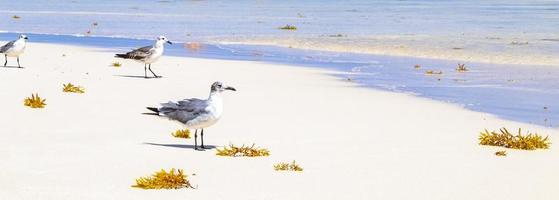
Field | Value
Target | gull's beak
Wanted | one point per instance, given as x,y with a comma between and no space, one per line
230,88
169,42
26,38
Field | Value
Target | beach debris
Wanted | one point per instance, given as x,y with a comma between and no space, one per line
457,48
282,166
174,179
300,15
246,151
71,88
88,32
116,64
34,101
95,24
493,38
257,53
417,66
182,133
501,153
336,35
193,46
504,138
288,27
16,17
461,68
63,55
518,43
433,72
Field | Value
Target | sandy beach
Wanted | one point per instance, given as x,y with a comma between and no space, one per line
353,142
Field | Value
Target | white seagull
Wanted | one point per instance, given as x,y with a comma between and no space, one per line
14,49
195,113
147,54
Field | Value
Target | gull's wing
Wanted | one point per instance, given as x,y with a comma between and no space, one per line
7,46
184,110
137,54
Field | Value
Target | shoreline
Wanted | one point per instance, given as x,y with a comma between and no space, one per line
520,83
353,143
507,51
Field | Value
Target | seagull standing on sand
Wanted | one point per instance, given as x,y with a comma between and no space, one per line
14,49
147,54
195,113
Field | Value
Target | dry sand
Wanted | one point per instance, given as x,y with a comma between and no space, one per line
353,142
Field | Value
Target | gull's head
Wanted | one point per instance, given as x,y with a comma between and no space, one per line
23,37
220,87
163,39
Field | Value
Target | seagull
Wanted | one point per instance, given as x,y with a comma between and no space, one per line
195,113
14,49
147,54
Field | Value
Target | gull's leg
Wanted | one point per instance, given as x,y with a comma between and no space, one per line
202,136
196,139
145,71
152,71
6,58
19,66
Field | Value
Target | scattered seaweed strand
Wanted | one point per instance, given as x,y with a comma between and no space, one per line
34,101
282,166
185,133
72,88
501,153
288,27
504,138
246,151
461,68
174,179
116,64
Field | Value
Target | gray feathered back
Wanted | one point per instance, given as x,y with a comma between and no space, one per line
184,110
7,46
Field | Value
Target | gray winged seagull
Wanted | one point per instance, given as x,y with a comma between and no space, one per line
147,54
195,113
14,49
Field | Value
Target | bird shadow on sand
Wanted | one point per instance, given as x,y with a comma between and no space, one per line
142,77
12,67
183,146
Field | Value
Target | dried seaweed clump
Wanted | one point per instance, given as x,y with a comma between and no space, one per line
288,27
501,153
505,139
247,151
288,167
174,179
34,101
116,64
462,68
16,17
417,66
432,72
72,88
185,133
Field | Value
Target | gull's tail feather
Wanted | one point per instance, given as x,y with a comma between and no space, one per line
155,111
122,56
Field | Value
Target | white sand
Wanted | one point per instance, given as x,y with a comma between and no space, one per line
353,142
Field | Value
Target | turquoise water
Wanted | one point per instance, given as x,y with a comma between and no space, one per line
525,93
182,20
